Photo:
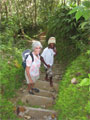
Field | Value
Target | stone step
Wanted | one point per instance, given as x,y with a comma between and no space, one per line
45,93
40,101
44,85
56,78
54,75
38,114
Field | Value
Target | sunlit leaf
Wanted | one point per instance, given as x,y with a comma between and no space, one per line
73,10
78,15
85,82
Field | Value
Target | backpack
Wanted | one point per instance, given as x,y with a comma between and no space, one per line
25,55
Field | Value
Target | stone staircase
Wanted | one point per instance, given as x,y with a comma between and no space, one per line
40,105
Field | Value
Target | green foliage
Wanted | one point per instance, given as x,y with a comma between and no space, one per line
7,109
71,39
11,79
87,108
11,75
73,102
65,29
83,10
85,81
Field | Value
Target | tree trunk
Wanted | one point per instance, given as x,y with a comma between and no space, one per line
6,10
0,11
78,2
35,12
64,2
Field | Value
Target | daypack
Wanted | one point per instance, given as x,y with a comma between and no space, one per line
25,55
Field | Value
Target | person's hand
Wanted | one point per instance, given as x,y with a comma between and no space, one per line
54,49
48,66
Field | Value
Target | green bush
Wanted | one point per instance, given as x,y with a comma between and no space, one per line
12,74
11,79
73,100
71,39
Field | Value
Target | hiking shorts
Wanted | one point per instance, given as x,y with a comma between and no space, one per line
34,78
49,72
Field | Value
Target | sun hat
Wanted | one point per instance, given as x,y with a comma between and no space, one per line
52,40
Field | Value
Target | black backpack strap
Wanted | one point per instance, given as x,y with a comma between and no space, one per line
32,56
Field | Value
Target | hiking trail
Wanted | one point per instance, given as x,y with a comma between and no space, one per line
40,105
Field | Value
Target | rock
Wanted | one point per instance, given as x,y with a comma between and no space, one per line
9,62
27,117
74,81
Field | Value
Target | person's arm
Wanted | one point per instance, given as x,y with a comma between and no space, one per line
28,74
44,61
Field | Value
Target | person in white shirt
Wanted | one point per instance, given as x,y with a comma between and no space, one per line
33,67
47,57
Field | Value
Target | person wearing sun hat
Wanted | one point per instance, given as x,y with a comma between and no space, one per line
47,57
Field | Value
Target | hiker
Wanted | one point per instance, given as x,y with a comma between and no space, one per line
47,57
32,67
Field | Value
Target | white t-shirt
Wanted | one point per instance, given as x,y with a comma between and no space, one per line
48,56
34,66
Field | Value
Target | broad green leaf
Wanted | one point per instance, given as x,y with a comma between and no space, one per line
88,52
73,10
85,82
78,15
89,76
86,14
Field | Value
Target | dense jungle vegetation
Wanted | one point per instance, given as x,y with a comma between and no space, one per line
21,21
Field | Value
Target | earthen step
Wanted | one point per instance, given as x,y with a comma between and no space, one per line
38,113
40,101
44,85
44,93
56,78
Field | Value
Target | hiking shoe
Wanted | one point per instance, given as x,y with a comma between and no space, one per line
36,90
31,92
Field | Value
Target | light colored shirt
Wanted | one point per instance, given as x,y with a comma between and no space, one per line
34,66
48,56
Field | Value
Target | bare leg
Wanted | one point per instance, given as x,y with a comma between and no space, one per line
51,82
32,85
46,77
29,87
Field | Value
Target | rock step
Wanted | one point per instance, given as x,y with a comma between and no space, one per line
54,73
40,101
44,85
38,114
56,78
44,93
